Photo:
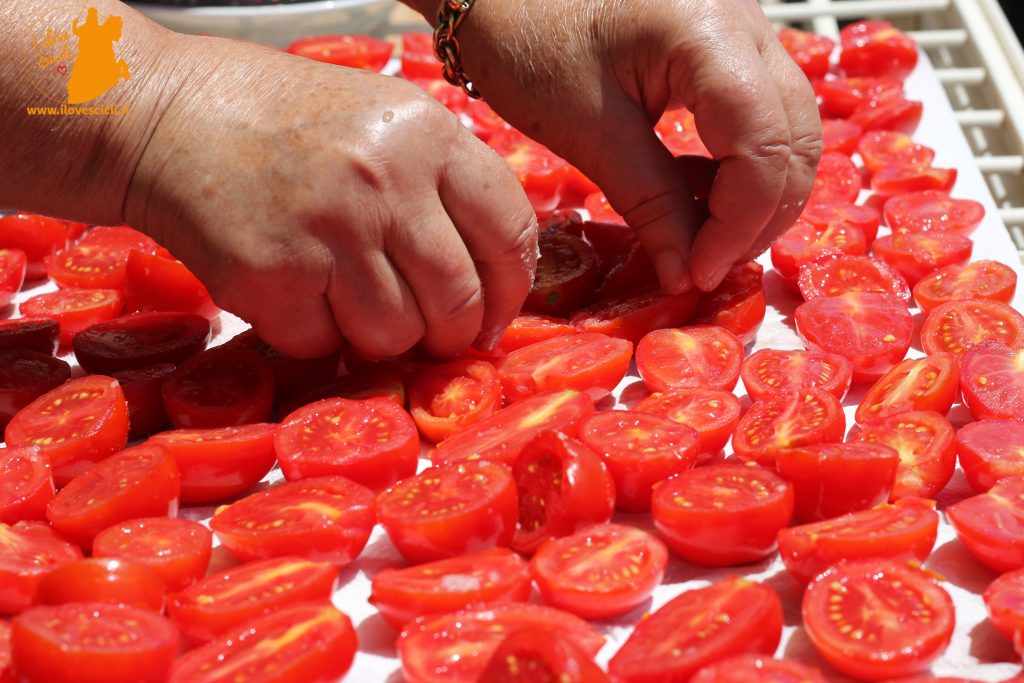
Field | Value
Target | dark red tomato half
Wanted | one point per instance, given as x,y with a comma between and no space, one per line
541,654
630,271
26,485
897,180
874,620
447,398
82,642
840,135
804,243
140,340
75,425
712,413
177,549
835,274
722,515
37,236
41,335
959,326
566,277
137,482
991,525
384,382
836,180
28,552
903,530
834,479
12,274
24,377
730,617
486,577
156,283
359,52
915,255
588,362
74,309
106,581
978,280
292,376
789,419
929,383
738,304
883,148
1004,599
143,390
932,210
767,372
699,356
632,316
876,48
809,50
990,450
755,669
220,387
926,444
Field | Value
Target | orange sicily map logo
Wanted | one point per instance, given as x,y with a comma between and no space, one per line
79,64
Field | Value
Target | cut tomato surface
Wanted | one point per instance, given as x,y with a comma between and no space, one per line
823,214
712,413
926,444
767,372
103,580
976,280
878,49
25,376
154,282
632,316
990,450
1004,599
37,236
698,356
836,180
809,50
991,525
841,97
835,274
755,669
74,309
789,419
448,398
177,549
889,111
932,210
139,341
26,485
930,383
220,387
567,274
804,243
900,179
530,329
12,274
884,148
358,52
28,552
738,304
590,363
543,175
959,326
418,60
541,654
840,135
915,255
992,381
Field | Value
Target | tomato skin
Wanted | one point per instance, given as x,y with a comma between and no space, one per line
100,580
74,309
959,326
768,371
177,549
906,529
990,525
469,390
45,648
889,111
932,210
990,450
628,562
590,363
357,52
836,179
566,275
738,304
930,383
155,283
739,617
425,590
697,356
922,632
222,602
876,48
915,255
992,380
459,508
530,329
41,335
883,148
334,524
12,274
630,317
823,214
723,515
220,387
809,50
563,486
142,391
840,97
139,341
30,551
897,180
712,413
925,442
37,236
977,280
639,450
833,479
26,485
137,482
530,654
24,377
792,418
751,669
840,135
543,175
1004,599
101,420
835,274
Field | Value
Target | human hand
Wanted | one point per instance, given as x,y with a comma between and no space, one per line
321,203
589,79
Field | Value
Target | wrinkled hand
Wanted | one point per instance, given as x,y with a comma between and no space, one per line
322,203
588,78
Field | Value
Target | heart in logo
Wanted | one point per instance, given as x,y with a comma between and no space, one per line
62,69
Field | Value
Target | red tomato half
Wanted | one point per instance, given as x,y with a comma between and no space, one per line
6,670
486,122
877,48
600,572
99,260
809,50
359,52
992,380
107,581
804,243
898,180
143,391
139,341
835,274
836,180
566,276
738,304
12,274
26,485
24,377
541,654
156,283
959,326
41,335
451,96
37,236
874,620
733,616
754,669
700,356
307,642
82,642
447,398
789,419
840,135
450,510
915,255
177,549
840,97
883,148
487,577
563,486
903,530
1004,599
75,425
991,525
823,214
889,111
418,60
543,175
990,450
74,309
932,210
632,316
590,363
220,387
326,519
929,383
28,552
723,515
530,329
767,372
600,210
872,330
137,482
977,280
925,441
712,413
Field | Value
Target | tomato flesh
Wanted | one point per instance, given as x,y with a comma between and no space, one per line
1004,599
926,444
929,383
74,309
991,525
899,180
836,180
357,52
589,363
447,398
140,341
26,485
823,214
632,316
835,274
177,549
754,669
156,283
790,419
41,335
30,550
767,372
699,356
915,255
543,175
959,326
566,276
876,48
738,304
809,50
990,450
712,413
12,274
804,243
932,210
883,148
103,580
978,280
839,135
541,654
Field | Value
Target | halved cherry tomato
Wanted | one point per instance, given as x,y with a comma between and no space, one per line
884,148
107,581
992,380
486,122
768,371
143,391
156,283
738,304
447,398
220,387
37,236
889,111
836,180
929,383
1004,599
119,237
358,52
700,626
292,376
874,620
137,482
840,135
823,214
221,602
24,377
28,552
877,48
990,450
678,132
991,525
6,670
959,326
384,383
325,519
41,335
925,441
833,479
541,654
530,329
791,418
12,274
840,97
177,549
371,442
835,274
590,363
600,210
804,243
99,260
543,175
74,309
75,425
755,669
567,274
418,60
712,413
698,356
723,515
140,340
216,464
978,280
83,642
487,577
502,436
451,96
631,317
899,179
871,329
932,210
809,50
26,485
599,572
915,255
639,450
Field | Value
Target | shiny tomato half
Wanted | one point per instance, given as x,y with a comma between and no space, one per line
26,485
530,329
755,669
804,243
28,552
447,398
977,280
840,97
915,255
12,274
840,135
883,148
889,111
992,381
926,444
103,580
632,316
37,236
990,450
177,549
543,175
156,283
99,260
876,48
738,304
418,60
823,214
959,326
836,180
809,50
74,309
835,274
767,372
1004,599
589,363
712,413
991,525
358,52
791,418
899,179
932,210
929,383
698,356
540,653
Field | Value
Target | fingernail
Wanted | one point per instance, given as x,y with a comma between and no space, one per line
488,339
717,277
672,271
